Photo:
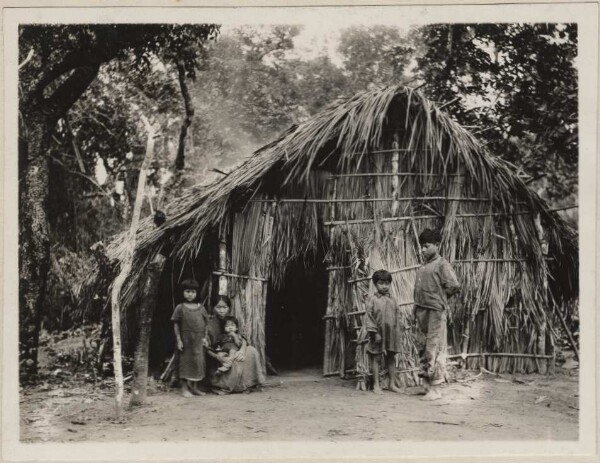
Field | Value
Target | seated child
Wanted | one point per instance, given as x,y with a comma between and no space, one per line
228,344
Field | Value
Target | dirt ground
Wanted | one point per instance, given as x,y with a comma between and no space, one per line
505,407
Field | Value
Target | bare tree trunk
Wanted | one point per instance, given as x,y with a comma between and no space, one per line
189,115
124,273
34,250
39,119
139,385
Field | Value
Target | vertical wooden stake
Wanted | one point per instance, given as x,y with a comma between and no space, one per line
330,322
223,263
395,178
541,340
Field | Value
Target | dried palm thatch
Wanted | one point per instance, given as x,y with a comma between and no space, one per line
359,181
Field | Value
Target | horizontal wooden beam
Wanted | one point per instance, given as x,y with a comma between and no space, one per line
458,261
563,208
404,269
423,217
390,174
498,354
233,275
367,200
398,150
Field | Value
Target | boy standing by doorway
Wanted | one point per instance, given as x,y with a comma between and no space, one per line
435,283
383,326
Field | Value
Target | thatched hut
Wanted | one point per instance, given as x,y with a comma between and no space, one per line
293,234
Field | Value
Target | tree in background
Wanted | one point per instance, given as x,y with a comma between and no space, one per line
375,56
58,64
517,84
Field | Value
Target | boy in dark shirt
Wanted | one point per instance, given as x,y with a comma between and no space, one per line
435,283
383,326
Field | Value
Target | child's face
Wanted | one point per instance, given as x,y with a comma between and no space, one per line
429,250
383,287
189,294
230,327
221,309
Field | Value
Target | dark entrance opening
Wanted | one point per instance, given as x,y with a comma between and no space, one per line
294,318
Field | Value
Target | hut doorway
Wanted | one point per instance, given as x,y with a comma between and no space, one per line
294,325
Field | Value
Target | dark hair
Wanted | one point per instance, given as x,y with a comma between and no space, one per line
231,318
381,275
190,284
429,236
225,299
159,218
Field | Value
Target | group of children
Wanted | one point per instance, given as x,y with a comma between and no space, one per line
435,283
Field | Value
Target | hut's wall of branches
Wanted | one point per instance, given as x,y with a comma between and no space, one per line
357,184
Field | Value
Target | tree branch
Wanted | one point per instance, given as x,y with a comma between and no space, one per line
74,145
189,114
69,92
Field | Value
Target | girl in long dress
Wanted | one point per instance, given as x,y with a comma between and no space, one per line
190,323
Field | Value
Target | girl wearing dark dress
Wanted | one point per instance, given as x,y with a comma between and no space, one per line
245,371
190,324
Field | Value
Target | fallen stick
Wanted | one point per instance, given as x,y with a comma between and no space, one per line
472,378
167,373
434,421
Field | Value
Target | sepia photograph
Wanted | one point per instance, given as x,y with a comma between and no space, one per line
301,232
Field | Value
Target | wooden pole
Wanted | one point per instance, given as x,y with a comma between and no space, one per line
139,384
541,339
126,265
568,331
223,263
423,217
500,354
371,200
395,178
330,315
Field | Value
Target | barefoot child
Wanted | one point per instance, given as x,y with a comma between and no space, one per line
435,283
228,344
383,325
190,321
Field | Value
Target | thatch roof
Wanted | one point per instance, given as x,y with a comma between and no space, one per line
341,136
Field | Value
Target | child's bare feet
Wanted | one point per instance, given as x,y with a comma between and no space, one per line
433,394
377,390
185,389
396,389
197,391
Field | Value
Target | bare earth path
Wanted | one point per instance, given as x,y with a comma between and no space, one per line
306,406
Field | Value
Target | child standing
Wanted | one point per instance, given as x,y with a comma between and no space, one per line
190,322
228,344
383,326
435,283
